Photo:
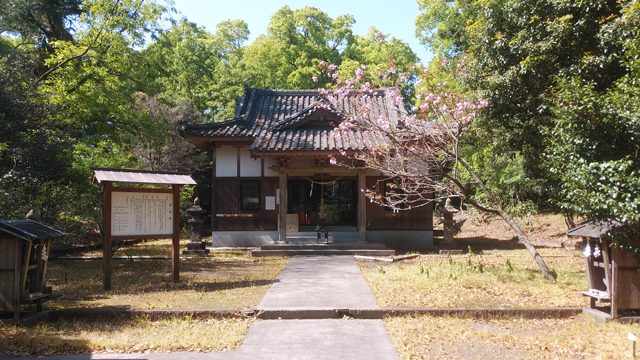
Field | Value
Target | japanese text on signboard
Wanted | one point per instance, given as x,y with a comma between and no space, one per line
137,213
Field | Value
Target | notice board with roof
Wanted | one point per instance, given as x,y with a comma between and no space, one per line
141,213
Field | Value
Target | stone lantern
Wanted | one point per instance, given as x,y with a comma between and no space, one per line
448,226
196,246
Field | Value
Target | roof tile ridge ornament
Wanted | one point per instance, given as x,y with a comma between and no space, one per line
290,92
249,109
320,104
215,124
241,102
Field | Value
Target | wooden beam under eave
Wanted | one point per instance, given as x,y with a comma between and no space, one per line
337,170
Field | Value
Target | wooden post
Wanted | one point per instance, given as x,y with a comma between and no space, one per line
25,269
362,207
18,292
45,263
106,246
591,276
175,248
214,198
614,289
282,224
606,258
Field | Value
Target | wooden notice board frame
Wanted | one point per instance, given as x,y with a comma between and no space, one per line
110,176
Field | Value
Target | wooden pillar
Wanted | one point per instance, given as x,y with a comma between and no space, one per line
175,245
614,287
606,259
16,277
282,223
106,246
362,207
214,198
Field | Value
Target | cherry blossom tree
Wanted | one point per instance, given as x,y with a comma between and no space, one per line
418,147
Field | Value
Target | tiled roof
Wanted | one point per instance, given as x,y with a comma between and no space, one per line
283,121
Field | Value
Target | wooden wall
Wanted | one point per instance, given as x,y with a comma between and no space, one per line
9,278
227,201
226,198
626,280
380,218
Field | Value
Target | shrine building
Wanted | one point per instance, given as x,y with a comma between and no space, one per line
272,180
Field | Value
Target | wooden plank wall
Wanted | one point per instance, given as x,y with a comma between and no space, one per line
227,197
380,218
8,249
627,280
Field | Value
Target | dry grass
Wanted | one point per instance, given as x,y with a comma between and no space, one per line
231,280
452,338
123,335
478,281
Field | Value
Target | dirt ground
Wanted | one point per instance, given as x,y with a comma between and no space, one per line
489,232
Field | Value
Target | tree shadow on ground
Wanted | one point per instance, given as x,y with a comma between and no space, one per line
482,243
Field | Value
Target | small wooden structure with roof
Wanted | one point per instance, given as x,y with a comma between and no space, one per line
141,213
24,254
613,274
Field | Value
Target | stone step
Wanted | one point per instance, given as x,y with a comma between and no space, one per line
291,252
322,246
337,236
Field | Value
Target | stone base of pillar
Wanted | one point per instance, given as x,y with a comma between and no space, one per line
197,248
448,245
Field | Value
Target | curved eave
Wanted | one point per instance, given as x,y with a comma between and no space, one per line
291,154
207,142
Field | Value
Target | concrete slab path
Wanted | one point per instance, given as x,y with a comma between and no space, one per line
316,339
319,282
287,339
307,282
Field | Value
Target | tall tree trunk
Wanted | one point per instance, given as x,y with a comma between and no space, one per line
548,274
525,241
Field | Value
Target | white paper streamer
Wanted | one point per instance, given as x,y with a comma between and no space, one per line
597,252
587,251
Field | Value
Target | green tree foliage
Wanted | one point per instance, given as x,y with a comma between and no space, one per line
442,23
375,50
561,78
594,146
65,91
101,83
40,22
187,63
519,49
90,77
297,41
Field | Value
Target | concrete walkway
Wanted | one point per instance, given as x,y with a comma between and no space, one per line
319,282
306,283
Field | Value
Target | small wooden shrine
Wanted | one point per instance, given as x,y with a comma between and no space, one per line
24,254
613,274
